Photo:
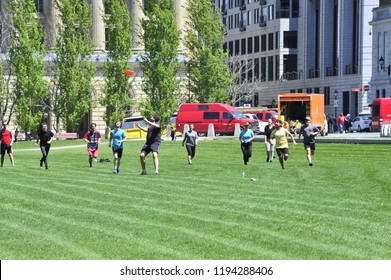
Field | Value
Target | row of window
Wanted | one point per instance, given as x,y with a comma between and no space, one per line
262,43
250,17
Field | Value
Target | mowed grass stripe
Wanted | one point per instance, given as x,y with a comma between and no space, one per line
257,217
263,214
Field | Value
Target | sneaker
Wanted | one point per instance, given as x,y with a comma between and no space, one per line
115,170
267,160
40,163
310,164
156,173
144,172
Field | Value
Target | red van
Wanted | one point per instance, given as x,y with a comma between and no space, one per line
222,116
381,112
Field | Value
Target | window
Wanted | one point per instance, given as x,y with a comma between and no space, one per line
264,14
243,46
263,69
256,16
290,39
277,68
39,6
277,37
284,9
256,44
236,20
263,43
270,12
231,4
250,70
231,22
270,68
249,18
295,8
227,116
231,48
211,115
271,41
237,47
250,45
256,68
326,95
203,107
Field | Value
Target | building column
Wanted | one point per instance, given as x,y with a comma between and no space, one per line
98,25
181,17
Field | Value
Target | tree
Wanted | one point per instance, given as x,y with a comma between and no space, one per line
247,79
27,65
73,70
207,69
161,40
116,96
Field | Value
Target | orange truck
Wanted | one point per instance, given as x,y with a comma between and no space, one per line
298,106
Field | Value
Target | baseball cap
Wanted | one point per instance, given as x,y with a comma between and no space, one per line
307,118
247,124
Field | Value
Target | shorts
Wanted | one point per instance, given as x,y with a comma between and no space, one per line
92,152
154,147
6,147
282,151
117,151
309,146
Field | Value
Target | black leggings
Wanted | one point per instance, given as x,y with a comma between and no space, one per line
45,153
247,149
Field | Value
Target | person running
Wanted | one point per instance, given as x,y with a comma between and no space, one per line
309,131
152,144
92,138
269,143
281,134
6,144
44,138
117,137
191,139
246,137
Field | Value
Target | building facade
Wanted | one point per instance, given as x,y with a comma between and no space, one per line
381,54
309,46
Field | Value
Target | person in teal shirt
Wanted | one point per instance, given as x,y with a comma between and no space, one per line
246,137
117,137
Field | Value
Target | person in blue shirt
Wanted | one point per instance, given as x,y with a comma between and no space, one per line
246,137
117,137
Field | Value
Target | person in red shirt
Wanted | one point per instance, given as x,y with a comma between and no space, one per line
6,144
341,123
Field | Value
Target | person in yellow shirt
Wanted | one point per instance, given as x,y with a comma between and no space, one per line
281,134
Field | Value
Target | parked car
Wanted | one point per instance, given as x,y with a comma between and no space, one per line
261,125
361,123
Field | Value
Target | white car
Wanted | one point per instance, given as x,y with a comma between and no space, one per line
261,125
361,123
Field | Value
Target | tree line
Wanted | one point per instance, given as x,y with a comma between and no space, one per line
59,81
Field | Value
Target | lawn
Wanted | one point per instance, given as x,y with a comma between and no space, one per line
338,209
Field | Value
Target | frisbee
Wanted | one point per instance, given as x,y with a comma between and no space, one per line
128,72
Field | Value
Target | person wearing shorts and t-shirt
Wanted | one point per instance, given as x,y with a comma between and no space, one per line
6,144
152,144
117,137
309,131
281,134
92,138
191,139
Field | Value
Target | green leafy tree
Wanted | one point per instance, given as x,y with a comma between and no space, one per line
27,66
161,41
73,70
117,96
209,74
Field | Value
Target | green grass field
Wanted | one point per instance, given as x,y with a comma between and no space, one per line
338,209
